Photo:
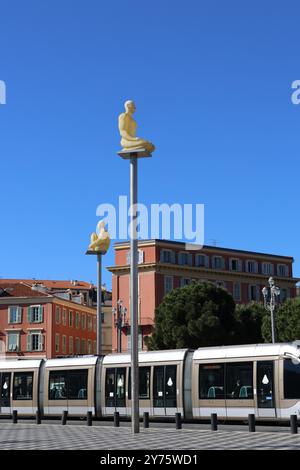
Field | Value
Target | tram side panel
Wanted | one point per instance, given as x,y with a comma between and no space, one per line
69,387
160,385
19,387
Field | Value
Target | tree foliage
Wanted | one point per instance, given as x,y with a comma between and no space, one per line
249,320
196,315
287,322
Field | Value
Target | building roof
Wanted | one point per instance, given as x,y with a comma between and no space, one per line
19,289
52,284
158,241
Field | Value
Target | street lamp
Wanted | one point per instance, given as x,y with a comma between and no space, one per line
119,313
270,294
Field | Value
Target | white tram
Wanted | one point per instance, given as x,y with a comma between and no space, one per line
231,381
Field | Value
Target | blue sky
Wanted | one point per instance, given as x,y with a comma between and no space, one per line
212,85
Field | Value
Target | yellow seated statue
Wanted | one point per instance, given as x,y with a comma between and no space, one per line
127,128
100,242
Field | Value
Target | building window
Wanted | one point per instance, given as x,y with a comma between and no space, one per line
64,344
57,315
89,351
267,268
218,262
221,284
90,323
235,265
253,293
94,347
13,342
35,342
184,281
35,314
57,342
237,291
168,284
14,314
167,256
77,345
251,266
70,318
140,342
83,321
102,317
202,261
185,259
70,344
83,351
283,295
64,317
77,317
282,270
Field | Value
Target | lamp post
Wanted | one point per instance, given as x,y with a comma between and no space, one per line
270,294
119,313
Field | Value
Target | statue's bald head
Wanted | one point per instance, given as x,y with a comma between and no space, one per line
129,106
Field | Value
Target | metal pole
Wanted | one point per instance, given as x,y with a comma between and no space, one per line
135,423
99,301
273,323
119,339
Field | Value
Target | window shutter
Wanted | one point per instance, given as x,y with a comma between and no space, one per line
239,265
190,259
29,314
272,269
19,315
41,342
28,346
180,261
206,261
41,308
173,257
222,263
8,315
161,256
256,267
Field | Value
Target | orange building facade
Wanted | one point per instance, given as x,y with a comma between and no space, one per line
165,265
34,324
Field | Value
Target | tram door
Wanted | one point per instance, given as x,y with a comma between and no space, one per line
265,389
115,387
5,378
165,390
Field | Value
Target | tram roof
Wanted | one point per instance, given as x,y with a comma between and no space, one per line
72,361
147,356
19,364
248,350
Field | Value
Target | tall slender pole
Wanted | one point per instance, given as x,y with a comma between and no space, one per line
273,324
135,424
99,301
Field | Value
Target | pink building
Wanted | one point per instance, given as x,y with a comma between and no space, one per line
165,265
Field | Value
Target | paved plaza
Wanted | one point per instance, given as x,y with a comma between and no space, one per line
29,436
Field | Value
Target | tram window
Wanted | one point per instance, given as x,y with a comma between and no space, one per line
144,383
57,385
239,380
211,381
22,389
291,379
77,384
110,387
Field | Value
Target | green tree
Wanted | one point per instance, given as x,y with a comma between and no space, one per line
287,322
249,320
196,315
